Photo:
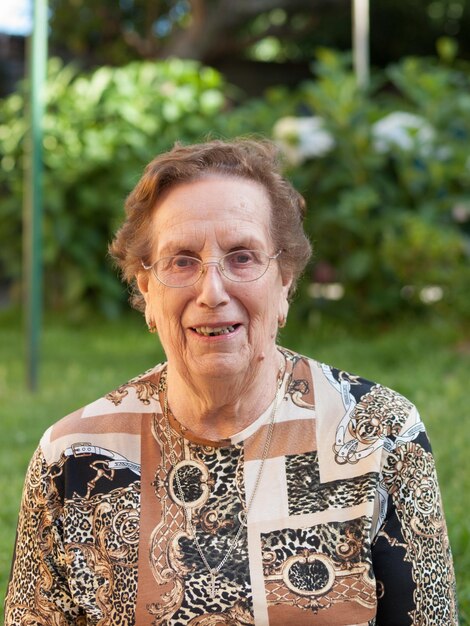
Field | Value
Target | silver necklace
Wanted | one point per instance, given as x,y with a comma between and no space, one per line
243,516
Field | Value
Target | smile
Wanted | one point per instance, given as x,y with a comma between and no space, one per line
208,331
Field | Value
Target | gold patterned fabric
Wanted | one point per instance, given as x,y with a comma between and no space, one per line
346,528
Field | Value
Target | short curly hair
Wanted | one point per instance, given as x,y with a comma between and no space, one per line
250,159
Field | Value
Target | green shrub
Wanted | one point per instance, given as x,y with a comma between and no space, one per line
386,174
99,132
389,201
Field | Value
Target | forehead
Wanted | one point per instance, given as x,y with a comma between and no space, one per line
232,211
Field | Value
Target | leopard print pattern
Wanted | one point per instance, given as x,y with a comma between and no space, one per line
410,477
301,569
84,575
212,484
102,554
32,598
307,495
77,547
373,414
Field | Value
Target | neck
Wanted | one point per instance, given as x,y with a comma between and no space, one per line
218,409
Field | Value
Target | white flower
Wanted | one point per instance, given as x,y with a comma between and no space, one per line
402,130
461,212
301,138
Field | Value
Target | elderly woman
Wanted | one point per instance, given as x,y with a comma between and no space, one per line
238,482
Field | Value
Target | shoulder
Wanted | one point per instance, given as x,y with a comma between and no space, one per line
354,389
343,398
116,415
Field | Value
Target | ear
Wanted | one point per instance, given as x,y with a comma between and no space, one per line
142,279
284,297
287,278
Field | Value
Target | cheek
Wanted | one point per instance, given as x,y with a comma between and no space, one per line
164,307
167,314
264,309
152,301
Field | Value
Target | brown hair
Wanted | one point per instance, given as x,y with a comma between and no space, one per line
244,158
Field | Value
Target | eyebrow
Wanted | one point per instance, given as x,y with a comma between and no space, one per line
173,248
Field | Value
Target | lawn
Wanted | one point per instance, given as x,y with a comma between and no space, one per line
428,362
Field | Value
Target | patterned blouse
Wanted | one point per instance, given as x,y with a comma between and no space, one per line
346,527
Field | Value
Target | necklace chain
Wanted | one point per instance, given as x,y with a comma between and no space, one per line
243,516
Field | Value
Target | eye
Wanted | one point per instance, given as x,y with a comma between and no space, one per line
180,262
241,258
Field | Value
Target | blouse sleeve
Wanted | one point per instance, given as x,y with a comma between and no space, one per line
38,592
411,554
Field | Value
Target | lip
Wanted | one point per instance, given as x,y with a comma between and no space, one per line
216,325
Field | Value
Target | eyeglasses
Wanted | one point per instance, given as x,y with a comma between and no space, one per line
241,266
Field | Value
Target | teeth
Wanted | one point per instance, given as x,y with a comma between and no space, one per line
208,331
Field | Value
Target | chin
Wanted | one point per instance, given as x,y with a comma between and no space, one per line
221,365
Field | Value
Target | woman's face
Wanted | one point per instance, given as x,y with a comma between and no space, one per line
208,218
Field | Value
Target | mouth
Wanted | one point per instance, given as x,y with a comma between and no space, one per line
217,331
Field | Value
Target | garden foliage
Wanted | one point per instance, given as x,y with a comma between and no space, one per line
100,130
389,197
387,180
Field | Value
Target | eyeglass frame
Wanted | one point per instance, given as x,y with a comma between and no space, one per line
217,262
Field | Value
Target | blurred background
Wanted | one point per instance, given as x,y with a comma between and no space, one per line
379,150
384,164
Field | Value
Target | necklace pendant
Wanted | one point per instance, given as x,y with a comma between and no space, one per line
212,591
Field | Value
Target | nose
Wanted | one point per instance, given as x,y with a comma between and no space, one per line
211,286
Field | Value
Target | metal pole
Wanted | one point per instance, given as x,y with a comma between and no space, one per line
37,59
361,41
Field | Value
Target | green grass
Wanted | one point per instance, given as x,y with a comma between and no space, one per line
429,363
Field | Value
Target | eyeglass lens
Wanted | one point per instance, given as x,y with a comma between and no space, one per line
239,266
